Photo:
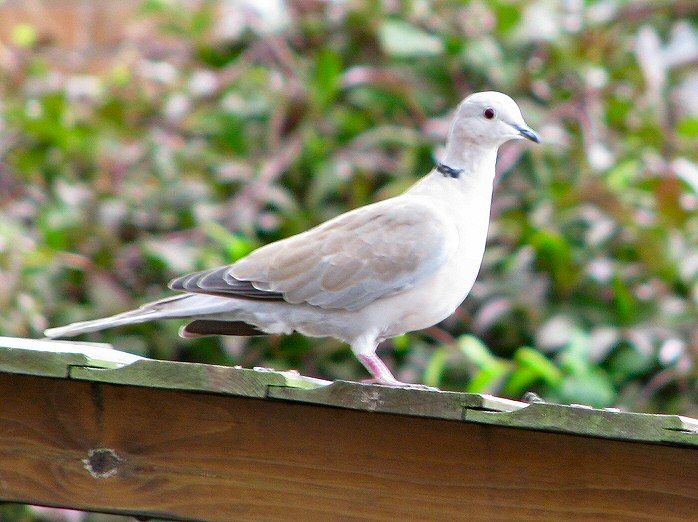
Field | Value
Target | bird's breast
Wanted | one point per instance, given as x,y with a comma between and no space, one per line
438,296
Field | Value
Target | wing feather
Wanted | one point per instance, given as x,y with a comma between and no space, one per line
215,282
345,263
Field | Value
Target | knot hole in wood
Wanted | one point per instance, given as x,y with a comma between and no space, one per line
102,463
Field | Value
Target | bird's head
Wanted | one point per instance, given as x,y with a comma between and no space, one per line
490,119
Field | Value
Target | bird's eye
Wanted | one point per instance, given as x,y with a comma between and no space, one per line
489,113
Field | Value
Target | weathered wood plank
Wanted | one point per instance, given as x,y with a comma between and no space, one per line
101,363
54,358
639,427
185,455
358,396
194,377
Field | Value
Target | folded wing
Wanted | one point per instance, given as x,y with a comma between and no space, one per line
345,263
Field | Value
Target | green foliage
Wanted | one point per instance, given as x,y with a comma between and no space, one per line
222,129
400,39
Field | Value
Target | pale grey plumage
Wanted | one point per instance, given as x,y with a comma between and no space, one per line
345,263
380,270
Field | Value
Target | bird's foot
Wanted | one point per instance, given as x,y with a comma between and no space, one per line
383,376
400,384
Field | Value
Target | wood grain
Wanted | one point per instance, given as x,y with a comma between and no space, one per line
196,456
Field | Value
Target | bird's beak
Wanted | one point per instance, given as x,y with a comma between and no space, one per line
527,132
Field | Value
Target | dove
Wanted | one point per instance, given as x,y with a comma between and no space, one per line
375,272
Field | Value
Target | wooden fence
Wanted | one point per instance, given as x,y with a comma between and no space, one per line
87,427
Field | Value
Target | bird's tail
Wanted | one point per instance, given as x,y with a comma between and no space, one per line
177,307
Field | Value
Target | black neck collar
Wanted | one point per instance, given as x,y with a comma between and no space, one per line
448,171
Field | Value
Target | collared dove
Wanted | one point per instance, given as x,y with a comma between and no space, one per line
375,272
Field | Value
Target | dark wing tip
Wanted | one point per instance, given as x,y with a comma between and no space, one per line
218,281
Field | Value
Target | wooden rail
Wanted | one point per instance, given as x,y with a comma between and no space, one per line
85,427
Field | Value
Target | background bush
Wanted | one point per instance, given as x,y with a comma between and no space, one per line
213,128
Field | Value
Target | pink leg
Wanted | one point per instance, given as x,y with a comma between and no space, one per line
377,368
382,375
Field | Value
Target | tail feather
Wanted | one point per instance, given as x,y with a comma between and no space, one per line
73,329
176,307
205,327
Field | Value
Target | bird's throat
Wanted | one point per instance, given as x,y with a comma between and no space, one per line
468,162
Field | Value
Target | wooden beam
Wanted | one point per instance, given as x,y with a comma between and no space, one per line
84,426
189,455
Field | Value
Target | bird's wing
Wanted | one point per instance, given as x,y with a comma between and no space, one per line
345,263
218,282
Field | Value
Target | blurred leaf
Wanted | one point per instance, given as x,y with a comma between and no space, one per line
537,362
491,370
327,77
476,351
554,255
24,35
155,6
574,357
225,131
624,301
520,381
592,388
401,343
508,16
532,367
622,175
236,245
688,127
402,39
487,380
628,362
436,366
